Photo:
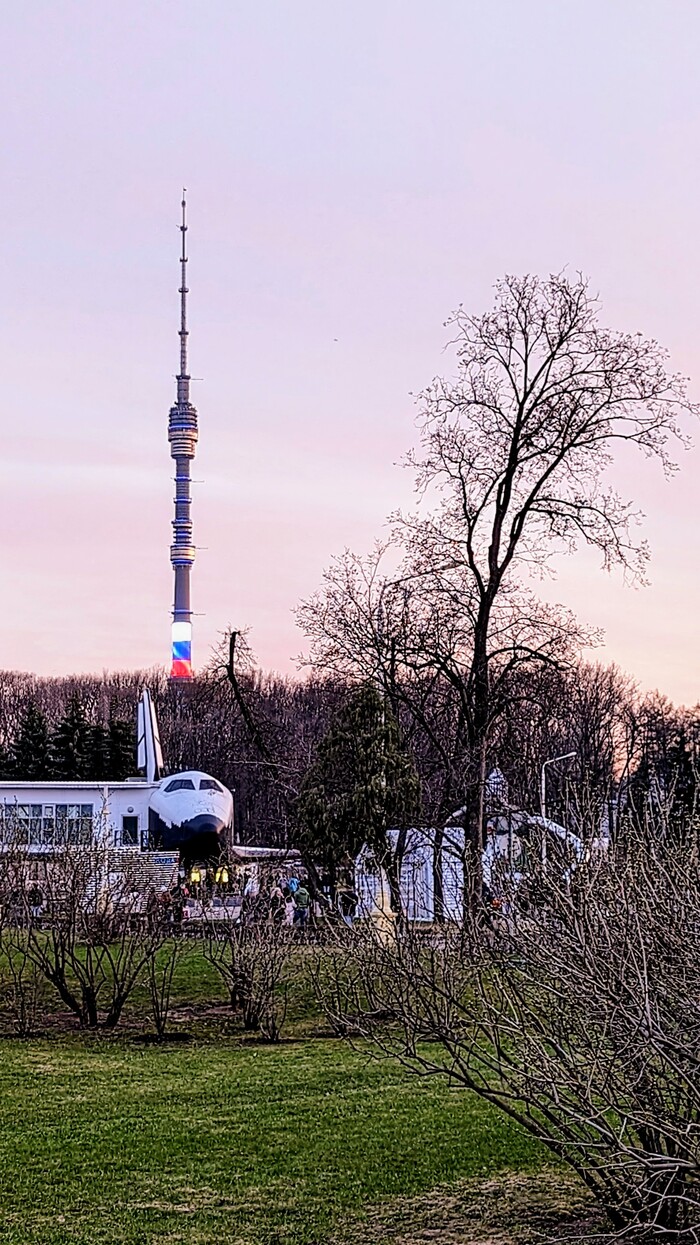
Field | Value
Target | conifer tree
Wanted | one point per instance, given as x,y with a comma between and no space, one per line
5,761
99,764
29,757
71,744
122,749
361,784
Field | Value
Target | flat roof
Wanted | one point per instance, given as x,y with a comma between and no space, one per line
136,784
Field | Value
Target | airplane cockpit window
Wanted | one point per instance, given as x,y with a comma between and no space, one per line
180,784
209,784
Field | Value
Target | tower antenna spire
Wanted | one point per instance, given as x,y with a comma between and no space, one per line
182,435
183,296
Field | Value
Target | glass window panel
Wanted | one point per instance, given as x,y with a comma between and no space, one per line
130,831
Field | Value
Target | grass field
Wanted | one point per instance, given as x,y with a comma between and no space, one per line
105,1139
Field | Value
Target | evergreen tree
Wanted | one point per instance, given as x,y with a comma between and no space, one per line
361,784
122,749
664,782
30,758
681,780
99,762
71,751
5,762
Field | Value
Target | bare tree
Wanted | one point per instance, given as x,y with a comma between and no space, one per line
160,972
512,471
21,980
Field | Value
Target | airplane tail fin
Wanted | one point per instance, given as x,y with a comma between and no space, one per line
149,755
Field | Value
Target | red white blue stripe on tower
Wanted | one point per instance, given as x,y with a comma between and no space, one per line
182,651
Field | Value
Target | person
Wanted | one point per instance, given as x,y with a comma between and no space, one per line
277,904
289,908
251,888
347,905
302,902
177,899
152,909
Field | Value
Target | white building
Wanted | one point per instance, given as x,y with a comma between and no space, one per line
46,815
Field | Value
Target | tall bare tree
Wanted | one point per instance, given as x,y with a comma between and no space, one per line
511,471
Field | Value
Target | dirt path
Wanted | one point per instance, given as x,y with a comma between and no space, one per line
523,1209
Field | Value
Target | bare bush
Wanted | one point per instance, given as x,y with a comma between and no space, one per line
577,1014
89,938
22,982
251,961
161,971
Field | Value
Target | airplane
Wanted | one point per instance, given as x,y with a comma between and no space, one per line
190,813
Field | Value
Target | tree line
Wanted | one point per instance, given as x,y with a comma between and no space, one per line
69,746
319,760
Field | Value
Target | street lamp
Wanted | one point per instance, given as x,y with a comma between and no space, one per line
565,756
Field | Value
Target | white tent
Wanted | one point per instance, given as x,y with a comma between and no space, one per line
504,859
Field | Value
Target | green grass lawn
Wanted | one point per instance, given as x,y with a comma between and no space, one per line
107,1141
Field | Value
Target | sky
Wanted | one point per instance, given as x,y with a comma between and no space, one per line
355,171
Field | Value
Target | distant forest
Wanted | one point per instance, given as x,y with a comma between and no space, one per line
267,738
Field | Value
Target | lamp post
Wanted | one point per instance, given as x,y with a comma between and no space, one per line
565,756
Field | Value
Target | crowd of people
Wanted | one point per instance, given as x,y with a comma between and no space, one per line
251,897
288,901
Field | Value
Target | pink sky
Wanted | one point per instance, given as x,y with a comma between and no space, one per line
354,172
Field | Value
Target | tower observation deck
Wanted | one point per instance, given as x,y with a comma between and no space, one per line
182,435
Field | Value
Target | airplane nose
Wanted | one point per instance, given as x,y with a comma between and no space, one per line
198,838
204,823
202,837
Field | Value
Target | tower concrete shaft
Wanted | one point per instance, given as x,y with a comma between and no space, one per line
182,435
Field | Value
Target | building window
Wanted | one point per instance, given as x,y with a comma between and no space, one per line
74,823
38,825
130,831
21,823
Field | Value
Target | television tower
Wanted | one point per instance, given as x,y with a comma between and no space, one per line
182,435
